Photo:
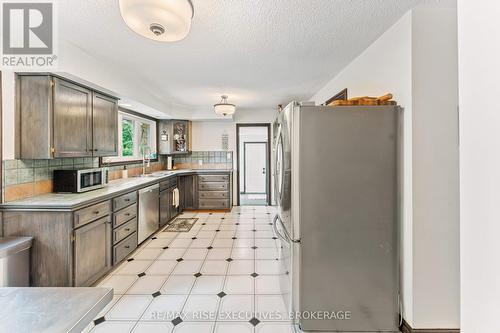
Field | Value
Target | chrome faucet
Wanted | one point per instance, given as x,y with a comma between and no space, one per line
146,159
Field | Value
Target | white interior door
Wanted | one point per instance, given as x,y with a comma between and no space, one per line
255,167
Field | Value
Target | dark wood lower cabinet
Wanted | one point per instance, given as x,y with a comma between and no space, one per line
92,251
168,211
51,263
165,203
78,247
187,192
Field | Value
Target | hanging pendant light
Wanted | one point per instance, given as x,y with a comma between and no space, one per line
160,20
224,107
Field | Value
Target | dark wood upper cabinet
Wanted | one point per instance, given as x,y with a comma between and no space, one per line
72,112
59,118
105,117
175,137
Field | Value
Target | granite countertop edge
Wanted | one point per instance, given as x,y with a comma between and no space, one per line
66,202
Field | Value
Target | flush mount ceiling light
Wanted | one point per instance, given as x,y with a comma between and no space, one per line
160,20
224,108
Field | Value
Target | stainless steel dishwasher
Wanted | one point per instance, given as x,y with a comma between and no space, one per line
149,212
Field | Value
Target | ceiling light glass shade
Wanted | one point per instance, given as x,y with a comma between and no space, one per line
224,108
160,20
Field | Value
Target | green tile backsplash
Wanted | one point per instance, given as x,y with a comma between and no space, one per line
28,171
208,157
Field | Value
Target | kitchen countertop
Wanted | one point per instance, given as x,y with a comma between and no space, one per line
51,310
72,201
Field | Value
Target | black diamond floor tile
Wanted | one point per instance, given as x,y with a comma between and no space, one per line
99,321
254,321
177,321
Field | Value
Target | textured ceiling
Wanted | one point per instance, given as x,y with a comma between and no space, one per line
259,52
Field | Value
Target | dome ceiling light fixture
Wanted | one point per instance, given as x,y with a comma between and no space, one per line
160,20
224,107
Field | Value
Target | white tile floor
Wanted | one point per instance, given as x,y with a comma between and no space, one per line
204,276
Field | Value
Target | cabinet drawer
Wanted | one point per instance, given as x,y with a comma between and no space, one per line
213,195
213,204
124,230
124,200
124,248
213,178
92,213
213,186
124,215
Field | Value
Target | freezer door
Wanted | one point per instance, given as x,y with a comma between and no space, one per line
348,194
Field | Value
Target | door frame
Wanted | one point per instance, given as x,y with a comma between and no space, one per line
245,163
238,166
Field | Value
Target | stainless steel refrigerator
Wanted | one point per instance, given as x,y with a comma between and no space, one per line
336,187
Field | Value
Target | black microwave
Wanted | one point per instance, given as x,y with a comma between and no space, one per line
80,180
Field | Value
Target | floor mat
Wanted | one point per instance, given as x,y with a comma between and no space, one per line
181,224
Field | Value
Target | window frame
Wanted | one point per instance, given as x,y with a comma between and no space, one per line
137,118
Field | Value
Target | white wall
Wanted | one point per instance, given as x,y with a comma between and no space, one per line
479,69
416,61
436,222
207,135
384,67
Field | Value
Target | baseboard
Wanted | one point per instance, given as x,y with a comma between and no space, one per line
406,328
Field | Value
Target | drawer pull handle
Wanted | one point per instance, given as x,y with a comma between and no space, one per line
127,214
127,246
96,212
127,200
127,229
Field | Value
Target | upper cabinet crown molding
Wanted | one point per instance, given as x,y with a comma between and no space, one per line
59,118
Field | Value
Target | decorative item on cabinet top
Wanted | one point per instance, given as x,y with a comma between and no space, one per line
62,118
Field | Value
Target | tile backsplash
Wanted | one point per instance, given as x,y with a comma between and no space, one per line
209,160
27,178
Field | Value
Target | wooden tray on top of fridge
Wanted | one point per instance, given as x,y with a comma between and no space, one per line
365,101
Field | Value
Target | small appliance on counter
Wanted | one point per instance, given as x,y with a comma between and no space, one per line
80,180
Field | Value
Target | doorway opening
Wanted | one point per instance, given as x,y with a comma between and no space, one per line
253,150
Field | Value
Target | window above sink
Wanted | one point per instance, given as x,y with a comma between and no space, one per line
135,133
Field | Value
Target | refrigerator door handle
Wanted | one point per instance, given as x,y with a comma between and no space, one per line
285,237
276,231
